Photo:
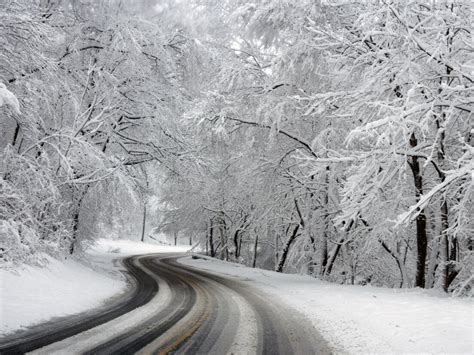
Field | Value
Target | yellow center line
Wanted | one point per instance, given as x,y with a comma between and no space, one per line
177,342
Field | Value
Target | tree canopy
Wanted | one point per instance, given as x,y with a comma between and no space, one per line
327,138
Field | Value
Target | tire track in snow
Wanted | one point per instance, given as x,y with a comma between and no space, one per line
195,311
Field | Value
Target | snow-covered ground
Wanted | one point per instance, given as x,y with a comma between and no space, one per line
33,295
122,247
353,319
356,319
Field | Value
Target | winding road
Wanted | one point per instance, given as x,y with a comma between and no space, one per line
173,308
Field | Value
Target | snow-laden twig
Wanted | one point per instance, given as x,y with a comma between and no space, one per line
8,98
414,210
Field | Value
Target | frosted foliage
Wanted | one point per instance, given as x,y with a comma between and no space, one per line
321,137
7,98
335,139
29,212
96,99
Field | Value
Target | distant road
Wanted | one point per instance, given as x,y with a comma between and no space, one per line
174,308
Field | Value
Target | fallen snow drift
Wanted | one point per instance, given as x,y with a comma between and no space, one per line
356,319
33,295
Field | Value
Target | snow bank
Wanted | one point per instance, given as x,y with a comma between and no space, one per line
124,247
356,319
33,294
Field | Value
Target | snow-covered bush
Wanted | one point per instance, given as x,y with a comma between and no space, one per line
30,206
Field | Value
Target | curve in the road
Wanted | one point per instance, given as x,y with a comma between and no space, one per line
202,313
182,300
144,288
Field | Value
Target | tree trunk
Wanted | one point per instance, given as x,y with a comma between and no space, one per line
337,248
211,241
238,237
75,227
143,222
324,254
286,249
207,240
236,244
240,244
421,236
448,245
224,253
324,245
276,250
255,248
444,247
76,219
15,134
453,255
405,280
432,265
333,257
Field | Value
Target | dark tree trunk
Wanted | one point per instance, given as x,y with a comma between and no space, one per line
286,249
236,244
444,246
324,247
207,239
255,248
453,257
335,253
224,253
448,245
15,134
240,245
453,244
76,219
421,236
75,228
211,241
143,222
333,257
401,267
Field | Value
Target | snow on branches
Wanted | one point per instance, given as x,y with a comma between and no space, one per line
8,98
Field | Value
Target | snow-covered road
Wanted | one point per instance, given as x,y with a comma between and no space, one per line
212,306
364,319
192,312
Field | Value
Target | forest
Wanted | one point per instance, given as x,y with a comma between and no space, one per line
329,138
